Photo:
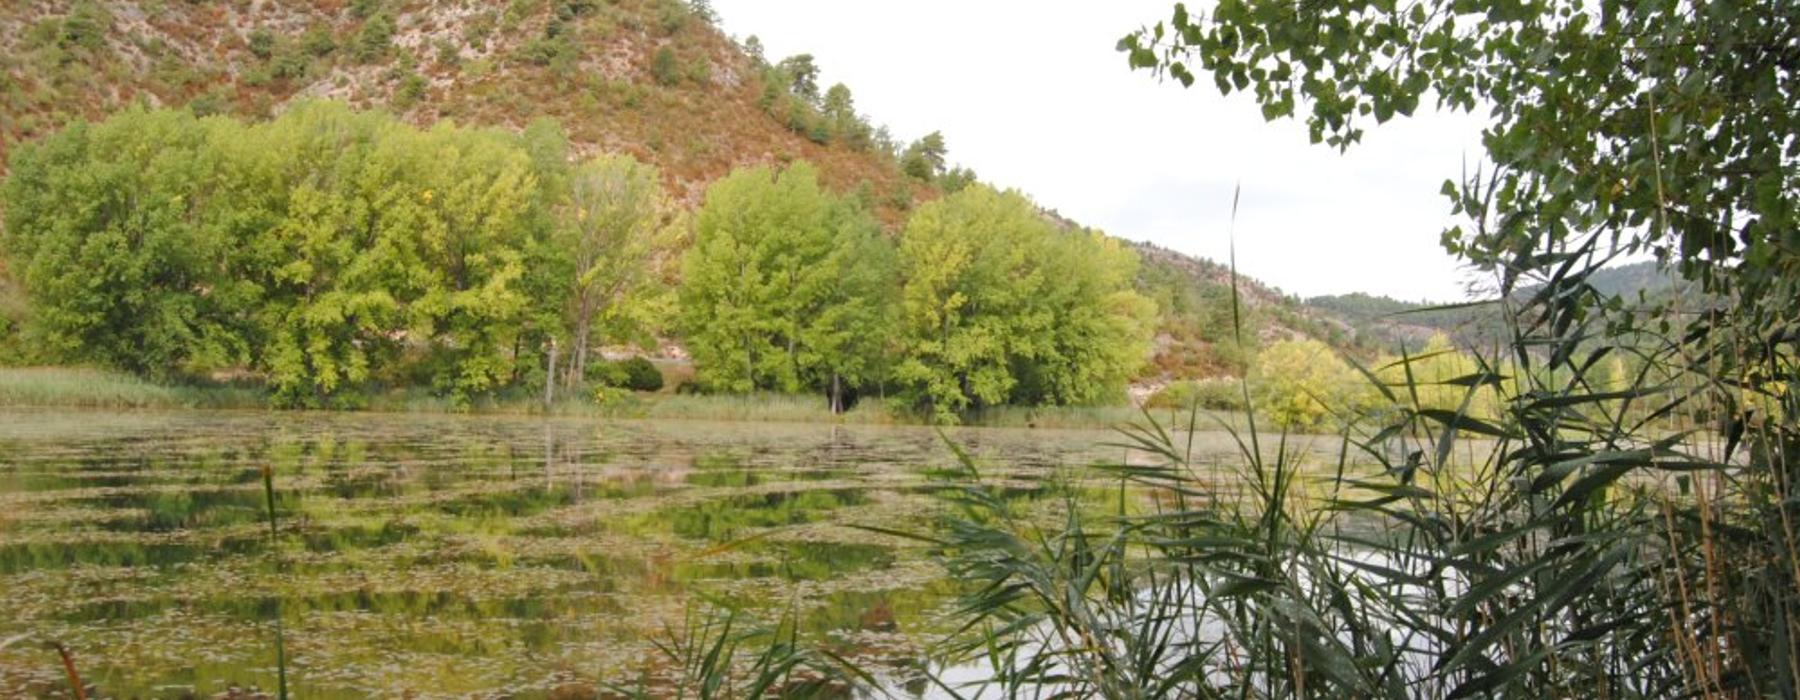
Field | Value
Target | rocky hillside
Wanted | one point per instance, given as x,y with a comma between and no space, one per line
1201,336
653,78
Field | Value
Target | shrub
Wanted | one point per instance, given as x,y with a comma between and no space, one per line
641,375
84,27
412,89
636,374
209,103
261,43
477,29
665,67
570,9
290,63
364,9
373,40
557,52
449,54
1215,394
318,41
606,373
674,16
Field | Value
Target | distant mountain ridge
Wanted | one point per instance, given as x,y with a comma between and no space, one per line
1392,321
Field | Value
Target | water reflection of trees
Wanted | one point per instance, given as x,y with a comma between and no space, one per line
464,544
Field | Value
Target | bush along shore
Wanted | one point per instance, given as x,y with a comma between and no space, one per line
52,387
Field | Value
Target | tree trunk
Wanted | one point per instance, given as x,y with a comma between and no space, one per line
749,362
578,373
518,349
550,377
837,394
793,366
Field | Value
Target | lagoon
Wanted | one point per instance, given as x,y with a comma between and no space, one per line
451,556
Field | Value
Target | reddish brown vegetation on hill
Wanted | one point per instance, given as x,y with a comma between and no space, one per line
589,64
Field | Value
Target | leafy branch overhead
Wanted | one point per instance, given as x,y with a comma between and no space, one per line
1627,446
1670,127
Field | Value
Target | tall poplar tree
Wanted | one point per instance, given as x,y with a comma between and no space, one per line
783,287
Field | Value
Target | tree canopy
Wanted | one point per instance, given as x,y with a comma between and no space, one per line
332,253
318,248
622,236
998,305
1666,127
326,250
783,286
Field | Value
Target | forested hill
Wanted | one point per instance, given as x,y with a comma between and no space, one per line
1388,321
1199,335
652,78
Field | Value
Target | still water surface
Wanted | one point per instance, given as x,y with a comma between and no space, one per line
456,557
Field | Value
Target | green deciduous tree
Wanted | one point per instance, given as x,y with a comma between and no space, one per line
1299,384
848,340
397,244
122,252
623,236
1098,324
326,250
998,305
783,286
1665,128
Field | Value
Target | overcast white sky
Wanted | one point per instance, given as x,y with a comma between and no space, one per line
1032,96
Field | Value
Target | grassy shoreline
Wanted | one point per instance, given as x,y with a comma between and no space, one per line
64,387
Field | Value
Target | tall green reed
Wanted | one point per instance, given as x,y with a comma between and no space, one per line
717,655
1579,543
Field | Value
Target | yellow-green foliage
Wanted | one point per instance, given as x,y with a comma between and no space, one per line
1300,384
785,287
623,238
1216,393
997,306
1440,377
324,249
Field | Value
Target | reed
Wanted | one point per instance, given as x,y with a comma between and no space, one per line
717,655
81,388
1573,545
77,387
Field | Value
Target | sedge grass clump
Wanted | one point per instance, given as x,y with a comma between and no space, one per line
86,388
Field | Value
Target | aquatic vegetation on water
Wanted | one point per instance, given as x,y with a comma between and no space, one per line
456,557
